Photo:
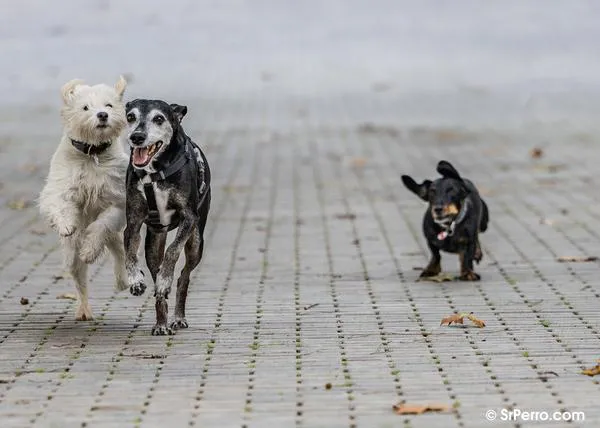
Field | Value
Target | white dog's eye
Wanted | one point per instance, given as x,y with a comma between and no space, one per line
85,108
108,105
131,117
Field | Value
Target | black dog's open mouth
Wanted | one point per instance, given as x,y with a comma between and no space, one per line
143,155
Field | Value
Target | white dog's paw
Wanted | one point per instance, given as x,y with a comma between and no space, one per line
65,230
84,313
91,248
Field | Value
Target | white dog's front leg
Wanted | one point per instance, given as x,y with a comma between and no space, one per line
110,221
61,213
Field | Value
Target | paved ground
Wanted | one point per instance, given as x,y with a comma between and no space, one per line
306,310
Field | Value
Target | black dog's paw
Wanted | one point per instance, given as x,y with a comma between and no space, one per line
178,323
469,276
137,287
433,269
161,330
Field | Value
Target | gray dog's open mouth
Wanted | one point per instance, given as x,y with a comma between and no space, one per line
143,155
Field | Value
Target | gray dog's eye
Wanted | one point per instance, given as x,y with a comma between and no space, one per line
131,117
158,120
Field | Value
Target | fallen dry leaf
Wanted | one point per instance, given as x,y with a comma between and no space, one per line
328,386
576,259
536,153
459,319
68,296
442,277
418,409
479,323
18,204
347,216
594,371
455,318
24,301
358,163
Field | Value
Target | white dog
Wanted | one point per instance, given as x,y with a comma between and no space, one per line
84,195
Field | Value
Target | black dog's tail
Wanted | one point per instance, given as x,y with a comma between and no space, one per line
485,217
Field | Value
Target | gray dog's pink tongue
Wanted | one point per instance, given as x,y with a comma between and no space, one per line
140,156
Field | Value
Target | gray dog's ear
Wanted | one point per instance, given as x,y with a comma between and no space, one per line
180,111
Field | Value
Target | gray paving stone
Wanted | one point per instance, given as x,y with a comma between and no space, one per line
306,310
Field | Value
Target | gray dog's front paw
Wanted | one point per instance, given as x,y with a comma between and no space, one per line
178,323
136,284
161,330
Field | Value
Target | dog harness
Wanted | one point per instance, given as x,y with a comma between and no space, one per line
153,219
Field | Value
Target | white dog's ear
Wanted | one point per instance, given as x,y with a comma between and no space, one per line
180,111
68,89
120,86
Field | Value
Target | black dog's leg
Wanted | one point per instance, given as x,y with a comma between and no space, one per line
132,238
434,267
164,278
478,253
466,262
194,248
193,253
154,247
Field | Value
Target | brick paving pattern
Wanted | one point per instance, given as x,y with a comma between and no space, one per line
306,310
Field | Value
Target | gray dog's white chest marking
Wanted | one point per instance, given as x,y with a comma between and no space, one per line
162,199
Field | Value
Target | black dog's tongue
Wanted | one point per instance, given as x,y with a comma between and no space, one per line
442,235
140,155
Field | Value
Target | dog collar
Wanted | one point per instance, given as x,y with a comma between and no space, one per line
90,149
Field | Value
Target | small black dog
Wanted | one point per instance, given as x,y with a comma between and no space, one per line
168,187
452,223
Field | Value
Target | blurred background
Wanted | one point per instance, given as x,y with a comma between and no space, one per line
506,64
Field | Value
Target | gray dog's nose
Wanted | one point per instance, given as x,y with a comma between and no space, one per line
138,138
103,116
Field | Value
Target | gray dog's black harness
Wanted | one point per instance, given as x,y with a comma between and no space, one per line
153,219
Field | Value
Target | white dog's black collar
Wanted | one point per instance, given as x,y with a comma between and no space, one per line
90,149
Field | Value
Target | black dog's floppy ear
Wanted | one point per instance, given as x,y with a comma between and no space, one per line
447,170
180,111
420,190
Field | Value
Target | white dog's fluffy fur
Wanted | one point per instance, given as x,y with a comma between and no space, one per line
84,196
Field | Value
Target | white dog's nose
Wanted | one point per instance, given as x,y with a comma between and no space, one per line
102,116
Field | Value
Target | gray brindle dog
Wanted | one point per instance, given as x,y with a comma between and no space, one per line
168,187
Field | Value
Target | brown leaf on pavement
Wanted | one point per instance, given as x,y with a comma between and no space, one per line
455,318
459,319
594,371
68,296
576,259
536,153
441,277
418,409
